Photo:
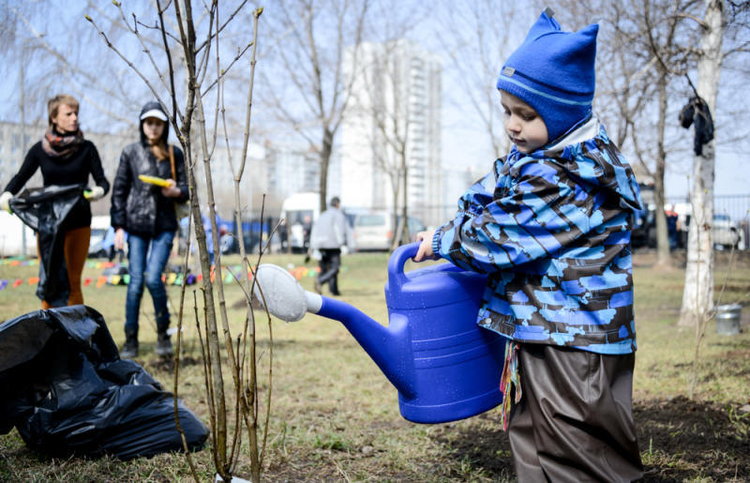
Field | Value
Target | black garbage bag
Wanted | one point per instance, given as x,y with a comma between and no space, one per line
45,210
66,390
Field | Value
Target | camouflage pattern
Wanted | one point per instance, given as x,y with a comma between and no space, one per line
551,229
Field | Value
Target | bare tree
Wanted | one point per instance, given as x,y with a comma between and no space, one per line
660,24
383,102
641,51
70,66
698,294
478,37
205,71
390,101
309,39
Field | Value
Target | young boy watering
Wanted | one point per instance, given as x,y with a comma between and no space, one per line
550,226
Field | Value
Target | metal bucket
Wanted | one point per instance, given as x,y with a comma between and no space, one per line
728,319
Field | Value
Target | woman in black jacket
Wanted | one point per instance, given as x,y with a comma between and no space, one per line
65,158
147,212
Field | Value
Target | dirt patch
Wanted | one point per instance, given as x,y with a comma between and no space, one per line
685,439
679,440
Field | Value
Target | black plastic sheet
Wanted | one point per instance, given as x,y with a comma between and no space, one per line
66,390
45,210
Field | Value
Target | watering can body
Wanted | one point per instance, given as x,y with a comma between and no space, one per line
457,364
443,364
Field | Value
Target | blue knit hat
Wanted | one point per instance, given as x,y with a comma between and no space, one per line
553,72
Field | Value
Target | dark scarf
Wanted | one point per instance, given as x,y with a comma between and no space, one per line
61,146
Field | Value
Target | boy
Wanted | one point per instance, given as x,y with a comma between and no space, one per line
550,226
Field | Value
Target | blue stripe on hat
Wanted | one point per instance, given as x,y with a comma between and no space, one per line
544,94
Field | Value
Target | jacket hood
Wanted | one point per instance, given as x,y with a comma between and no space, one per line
151,106
589,155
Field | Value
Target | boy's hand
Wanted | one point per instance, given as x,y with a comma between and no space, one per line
425,247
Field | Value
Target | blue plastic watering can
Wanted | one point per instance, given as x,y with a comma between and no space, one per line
443,364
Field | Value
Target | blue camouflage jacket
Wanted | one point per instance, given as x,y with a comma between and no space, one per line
551,229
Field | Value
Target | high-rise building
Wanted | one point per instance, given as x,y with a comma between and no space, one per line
392,123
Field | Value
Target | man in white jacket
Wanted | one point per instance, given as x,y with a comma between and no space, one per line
329,234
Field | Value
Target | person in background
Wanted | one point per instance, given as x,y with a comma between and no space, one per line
147,213
550,226
673,225
329,233
65,158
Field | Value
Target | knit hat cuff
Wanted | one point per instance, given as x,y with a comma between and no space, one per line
558,113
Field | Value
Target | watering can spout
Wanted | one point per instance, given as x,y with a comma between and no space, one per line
389,347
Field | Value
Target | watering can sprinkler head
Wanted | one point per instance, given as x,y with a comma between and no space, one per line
279,291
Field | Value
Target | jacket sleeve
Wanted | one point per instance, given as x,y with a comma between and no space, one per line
120,190
28,168
95,167
542,211
181,181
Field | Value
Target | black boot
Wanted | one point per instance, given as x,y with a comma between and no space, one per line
163,344
130,350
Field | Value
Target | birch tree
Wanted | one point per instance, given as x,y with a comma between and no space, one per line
698,294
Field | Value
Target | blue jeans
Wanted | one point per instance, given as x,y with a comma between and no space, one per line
148,270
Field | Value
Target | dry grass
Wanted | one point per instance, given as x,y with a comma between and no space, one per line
335,417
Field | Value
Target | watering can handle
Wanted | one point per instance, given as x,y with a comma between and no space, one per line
398,259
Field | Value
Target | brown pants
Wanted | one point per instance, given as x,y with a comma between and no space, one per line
76,249
575,419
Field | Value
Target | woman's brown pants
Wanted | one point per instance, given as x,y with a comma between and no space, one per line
76,249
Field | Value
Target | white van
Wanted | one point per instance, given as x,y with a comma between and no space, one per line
99,227
300,211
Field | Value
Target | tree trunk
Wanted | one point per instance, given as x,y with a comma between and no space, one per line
405,207
662,237
394,214
325,161
697,298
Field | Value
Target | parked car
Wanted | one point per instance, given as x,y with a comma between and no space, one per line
374,230
725,232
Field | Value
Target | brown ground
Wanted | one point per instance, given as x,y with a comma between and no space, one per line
694,440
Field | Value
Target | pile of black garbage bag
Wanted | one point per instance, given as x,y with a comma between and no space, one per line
66,390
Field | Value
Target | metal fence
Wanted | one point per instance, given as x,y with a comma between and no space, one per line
737,207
